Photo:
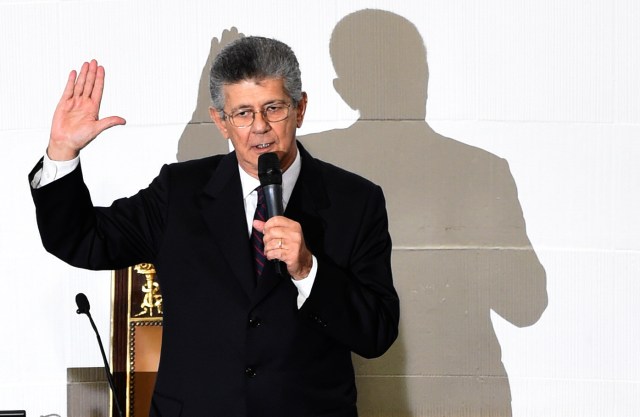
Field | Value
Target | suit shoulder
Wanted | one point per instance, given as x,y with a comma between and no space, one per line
207,163
195,171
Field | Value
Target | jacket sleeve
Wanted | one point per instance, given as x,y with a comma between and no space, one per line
72,229
355,301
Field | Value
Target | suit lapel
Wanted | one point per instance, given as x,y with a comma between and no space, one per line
309,202
222,208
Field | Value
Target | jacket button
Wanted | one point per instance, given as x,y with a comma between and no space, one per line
318,320
255,322
250,372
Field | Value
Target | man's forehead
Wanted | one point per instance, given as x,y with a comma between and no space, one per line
254,92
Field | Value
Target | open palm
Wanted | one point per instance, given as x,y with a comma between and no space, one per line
76,120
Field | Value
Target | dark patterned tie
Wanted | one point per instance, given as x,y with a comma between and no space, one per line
257,244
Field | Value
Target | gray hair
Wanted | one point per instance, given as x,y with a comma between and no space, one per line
254,58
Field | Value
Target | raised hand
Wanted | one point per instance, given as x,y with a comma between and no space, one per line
76,122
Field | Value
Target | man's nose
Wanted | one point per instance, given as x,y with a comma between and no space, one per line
260,123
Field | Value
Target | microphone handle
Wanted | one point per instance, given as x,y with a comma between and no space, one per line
275,207
106,366
273,199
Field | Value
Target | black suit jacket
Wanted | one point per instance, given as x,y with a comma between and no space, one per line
231,348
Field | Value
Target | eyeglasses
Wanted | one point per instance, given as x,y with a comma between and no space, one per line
272,113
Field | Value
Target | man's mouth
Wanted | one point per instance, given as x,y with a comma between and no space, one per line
263,145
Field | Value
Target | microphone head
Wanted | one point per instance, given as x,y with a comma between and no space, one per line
83,304
269,170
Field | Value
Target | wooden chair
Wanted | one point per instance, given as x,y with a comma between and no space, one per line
136,337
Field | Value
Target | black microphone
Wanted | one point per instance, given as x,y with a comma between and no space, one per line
270,176
83,304
83,308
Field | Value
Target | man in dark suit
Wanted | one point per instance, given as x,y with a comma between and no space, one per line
236,342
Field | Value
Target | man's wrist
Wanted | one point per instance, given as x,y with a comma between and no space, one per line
58,154
305,285
305,270
53,170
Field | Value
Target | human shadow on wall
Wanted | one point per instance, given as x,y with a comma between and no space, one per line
460,244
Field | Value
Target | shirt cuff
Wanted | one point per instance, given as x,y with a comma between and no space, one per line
304,285
53,170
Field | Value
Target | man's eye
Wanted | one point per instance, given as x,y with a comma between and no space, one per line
274,108
242,114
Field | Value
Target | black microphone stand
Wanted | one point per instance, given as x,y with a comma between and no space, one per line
83,308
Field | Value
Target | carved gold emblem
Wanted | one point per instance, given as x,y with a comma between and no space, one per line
152,299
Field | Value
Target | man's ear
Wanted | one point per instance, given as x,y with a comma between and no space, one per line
220,123
301,109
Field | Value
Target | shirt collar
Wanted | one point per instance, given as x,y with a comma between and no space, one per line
289,178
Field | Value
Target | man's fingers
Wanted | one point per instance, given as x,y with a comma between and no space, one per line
68,88
91,78
79,87
89,82
259,225
98,88
108,122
